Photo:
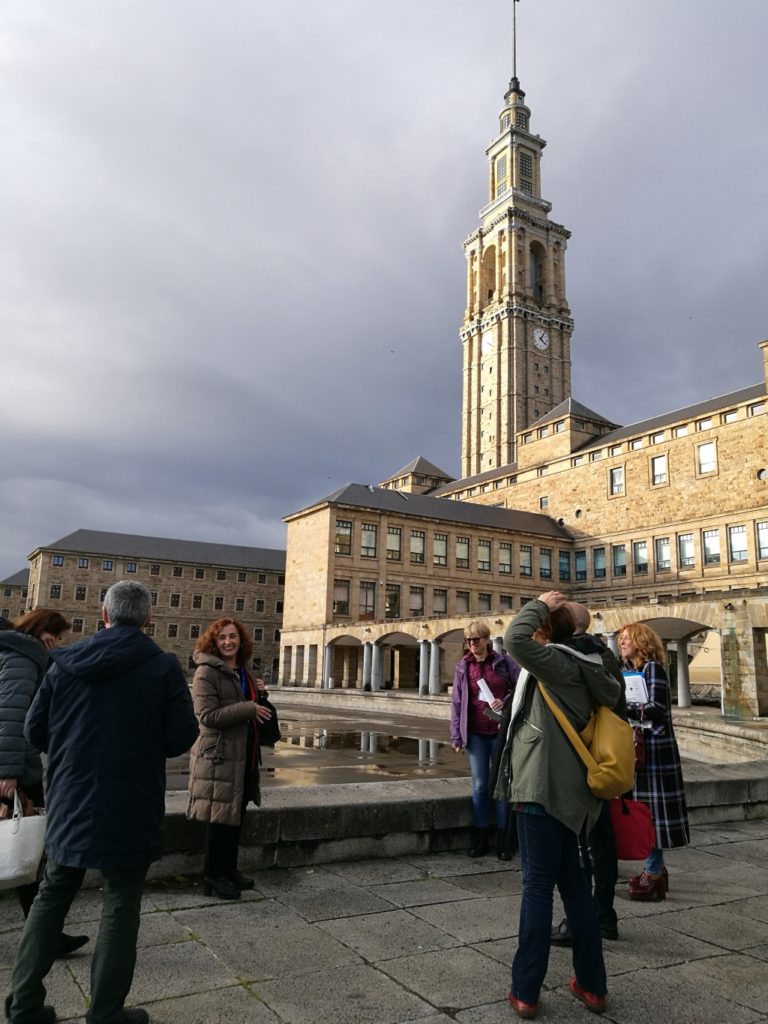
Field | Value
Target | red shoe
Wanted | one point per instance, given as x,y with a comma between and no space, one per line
596,1004
648,889
634,880
526,1010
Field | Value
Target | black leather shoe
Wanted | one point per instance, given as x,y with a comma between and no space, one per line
480,844
136,1015
46,1016
609,931
561,935
240,881
69,943
222,888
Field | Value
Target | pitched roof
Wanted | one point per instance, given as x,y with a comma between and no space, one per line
133,545
425,506
420,465
18,579
570,407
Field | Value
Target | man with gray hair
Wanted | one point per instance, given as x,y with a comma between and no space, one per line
109,712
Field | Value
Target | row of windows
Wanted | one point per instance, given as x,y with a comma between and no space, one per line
197,601
420,601
78,626
108,565
8,592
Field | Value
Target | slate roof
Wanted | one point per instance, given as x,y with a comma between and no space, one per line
167,549
570,407
18,579
420,465
381,499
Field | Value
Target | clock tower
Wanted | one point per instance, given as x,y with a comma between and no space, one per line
516,334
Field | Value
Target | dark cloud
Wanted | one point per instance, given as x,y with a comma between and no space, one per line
231,275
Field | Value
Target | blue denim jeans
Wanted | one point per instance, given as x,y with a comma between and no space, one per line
480,750
549,856
654,861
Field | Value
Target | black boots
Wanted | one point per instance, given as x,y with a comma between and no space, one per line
480,844
504,844
221,887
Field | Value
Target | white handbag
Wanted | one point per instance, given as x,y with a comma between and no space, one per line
22,841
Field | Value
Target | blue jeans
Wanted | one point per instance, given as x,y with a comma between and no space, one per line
114,955
480,749
654,861
549,856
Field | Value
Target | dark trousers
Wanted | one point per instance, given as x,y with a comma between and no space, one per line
222,844
114,955
598,854
549,857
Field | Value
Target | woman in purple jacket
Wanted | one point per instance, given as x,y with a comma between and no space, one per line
482,683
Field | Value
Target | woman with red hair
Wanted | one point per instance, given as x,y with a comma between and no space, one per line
224,761
659,783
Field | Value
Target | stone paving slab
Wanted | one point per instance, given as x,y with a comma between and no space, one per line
450,979
385,936
421,892
476,920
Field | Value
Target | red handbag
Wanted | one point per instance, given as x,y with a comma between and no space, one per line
633,828
638,740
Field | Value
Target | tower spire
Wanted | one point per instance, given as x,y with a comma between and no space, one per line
514,39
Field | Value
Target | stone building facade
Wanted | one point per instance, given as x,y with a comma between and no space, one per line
192,584
13,594
664,521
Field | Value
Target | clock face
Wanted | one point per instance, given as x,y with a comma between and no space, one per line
540,338
486,344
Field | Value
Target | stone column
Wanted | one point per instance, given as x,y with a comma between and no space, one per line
376,668
498,644
367,665
327,681
423,668
683,678
346,655
434,667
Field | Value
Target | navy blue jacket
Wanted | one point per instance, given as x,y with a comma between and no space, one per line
109,711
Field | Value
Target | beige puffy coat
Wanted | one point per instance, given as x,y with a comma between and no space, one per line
217,761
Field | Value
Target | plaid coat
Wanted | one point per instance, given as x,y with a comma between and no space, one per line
660,783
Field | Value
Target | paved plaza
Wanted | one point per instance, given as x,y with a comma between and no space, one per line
429,939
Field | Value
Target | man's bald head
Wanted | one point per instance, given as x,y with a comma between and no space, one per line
581,616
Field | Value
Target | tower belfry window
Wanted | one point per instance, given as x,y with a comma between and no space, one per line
501,175
526,173
506,120
521,120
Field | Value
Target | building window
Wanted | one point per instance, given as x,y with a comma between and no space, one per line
483,556
173,629
221,574
199,573
343,537
392,601
659,469
615,449
175,600
279,607
526,560
100,624
617,480
505,558
197,601
57,560
640,557
77,625
706,457
527,438
686,555
680,431
154,569
106,565
580,558
545,563
55,591
130,567
103,593
218,603
281,580
500,175
417,547
636,444
261,578
541,471
483,603
543,502
564,563
663,554
368,540
177,571
153,598
259,605
394,543
276,636
657,438
596,456
737,543
194,632
258,632
367,606
729,417
711,543
505,602
619,559
757,409
462,602
598,563
704,424
341,597
440,549
439,601
239,604
762,539
462,552
241,577
521,120
80,593
577,460
149,629
417,601
83,563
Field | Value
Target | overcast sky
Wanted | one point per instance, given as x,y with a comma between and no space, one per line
231,267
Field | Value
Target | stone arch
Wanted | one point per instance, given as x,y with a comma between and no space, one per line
537,274
488,282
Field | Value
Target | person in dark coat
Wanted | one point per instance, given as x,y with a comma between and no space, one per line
109,712
659,783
